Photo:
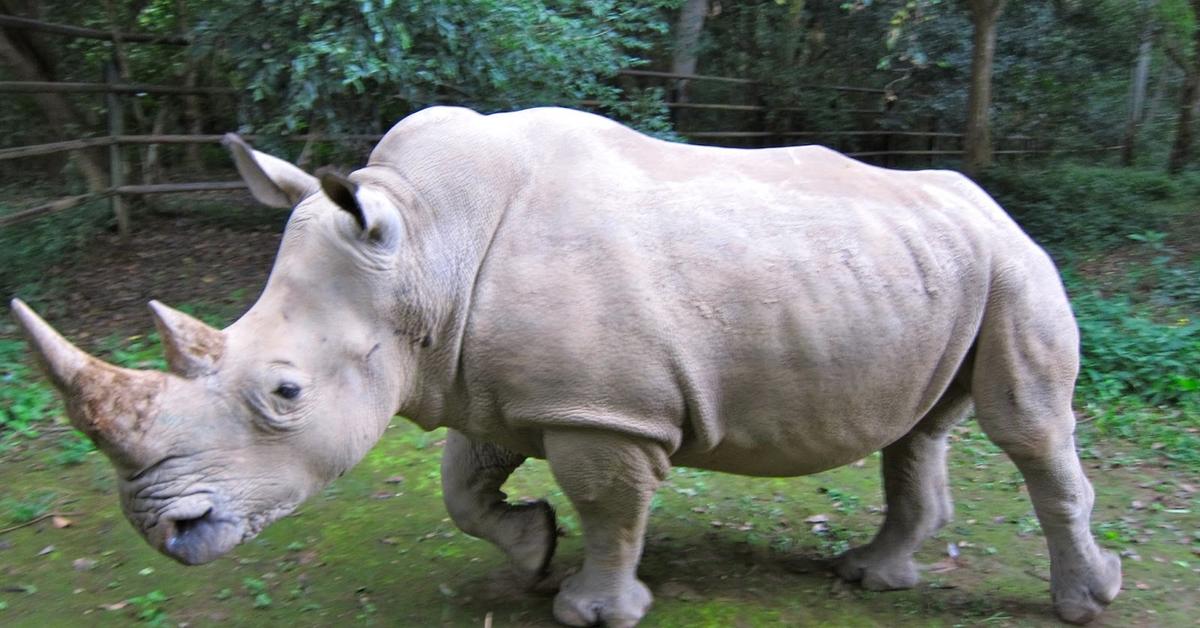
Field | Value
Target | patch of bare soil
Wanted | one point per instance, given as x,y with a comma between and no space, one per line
176,257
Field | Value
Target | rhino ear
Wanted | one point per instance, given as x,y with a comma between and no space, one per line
378,219
273,181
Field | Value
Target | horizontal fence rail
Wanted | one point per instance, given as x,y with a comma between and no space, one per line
745,81
14,21
54,87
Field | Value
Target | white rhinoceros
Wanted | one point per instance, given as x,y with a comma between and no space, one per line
550,284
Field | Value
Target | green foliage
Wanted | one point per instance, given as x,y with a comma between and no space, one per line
27,509
27,249
149,608
24,402
73,450
339,66
1128,354
1071,208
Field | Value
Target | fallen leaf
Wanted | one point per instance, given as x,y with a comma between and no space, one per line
116,606
60,522
46,550
1142,586
395,479
83,564
817,519
1136,505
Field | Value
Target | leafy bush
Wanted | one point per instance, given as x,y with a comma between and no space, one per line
1076,208
1139,371
26,249
1127,354
342,66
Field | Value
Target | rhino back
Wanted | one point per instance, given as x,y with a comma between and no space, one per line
770,312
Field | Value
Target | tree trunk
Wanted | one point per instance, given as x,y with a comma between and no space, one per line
193,113
1137,90
22,58
687,41
1181,150
978,137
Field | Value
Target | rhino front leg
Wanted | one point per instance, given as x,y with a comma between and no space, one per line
472,474
610,479
918,501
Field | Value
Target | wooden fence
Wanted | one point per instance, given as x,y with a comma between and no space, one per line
113,87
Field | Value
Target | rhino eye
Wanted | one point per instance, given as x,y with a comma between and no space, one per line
288,390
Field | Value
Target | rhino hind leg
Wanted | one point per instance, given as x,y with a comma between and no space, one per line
1023,385
472,474
610,480
918,500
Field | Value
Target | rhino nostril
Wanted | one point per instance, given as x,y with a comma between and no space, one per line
184,526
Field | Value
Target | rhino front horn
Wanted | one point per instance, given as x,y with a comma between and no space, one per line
112,405
61,360
193,348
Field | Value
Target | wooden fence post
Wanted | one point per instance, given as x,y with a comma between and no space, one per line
116,166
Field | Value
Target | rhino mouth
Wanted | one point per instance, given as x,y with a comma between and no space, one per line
204,532
200,537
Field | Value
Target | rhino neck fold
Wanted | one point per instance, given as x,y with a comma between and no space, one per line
452,224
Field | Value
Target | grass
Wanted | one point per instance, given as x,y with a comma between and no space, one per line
351,555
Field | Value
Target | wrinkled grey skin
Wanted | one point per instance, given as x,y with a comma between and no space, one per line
550,284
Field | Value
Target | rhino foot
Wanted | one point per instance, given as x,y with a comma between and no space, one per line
581,602
1079,601
876,572
532,538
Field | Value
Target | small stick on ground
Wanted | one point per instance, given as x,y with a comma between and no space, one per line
37,519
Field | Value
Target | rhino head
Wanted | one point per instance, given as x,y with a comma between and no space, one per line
253,419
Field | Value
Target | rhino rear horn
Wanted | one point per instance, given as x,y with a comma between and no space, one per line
112,405
192,347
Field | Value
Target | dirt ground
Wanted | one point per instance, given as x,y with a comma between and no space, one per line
220,258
